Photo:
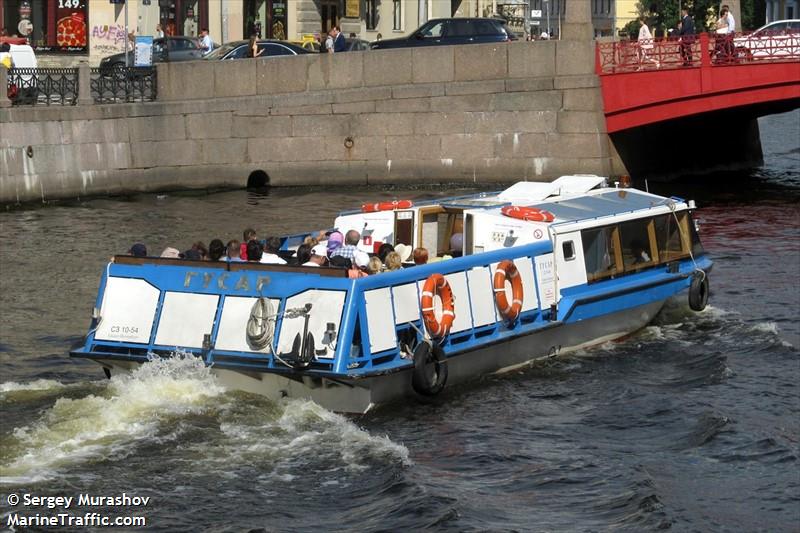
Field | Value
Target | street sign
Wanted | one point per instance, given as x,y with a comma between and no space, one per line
143,51
536,13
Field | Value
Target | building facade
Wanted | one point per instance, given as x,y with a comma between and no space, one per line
781,9
66,32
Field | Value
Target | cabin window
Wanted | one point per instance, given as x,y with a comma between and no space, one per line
568,250
669,231
638,249
601,252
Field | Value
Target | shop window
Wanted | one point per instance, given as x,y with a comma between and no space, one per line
58,26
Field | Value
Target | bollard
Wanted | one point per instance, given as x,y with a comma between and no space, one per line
85,85
4,101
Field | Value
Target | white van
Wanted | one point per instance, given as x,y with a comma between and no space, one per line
24,88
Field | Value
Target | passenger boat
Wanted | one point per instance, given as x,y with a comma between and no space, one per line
544,268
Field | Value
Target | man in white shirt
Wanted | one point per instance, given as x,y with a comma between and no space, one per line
319,256
270,255
206,44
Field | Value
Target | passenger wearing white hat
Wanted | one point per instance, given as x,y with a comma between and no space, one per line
404,251
319,256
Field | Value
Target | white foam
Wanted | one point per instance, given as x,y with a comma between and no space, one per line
766,327
37,385
300,429
130,408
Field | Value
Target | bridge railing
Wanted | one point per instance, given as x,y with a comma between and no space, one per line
696,50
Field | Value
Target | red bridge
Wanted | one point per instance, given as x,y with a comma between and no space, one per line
673,98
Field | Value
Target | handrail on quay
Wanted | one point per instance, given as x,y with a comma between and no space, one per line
65,86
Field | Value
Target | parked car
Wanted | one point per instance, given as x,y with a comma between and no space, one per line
452,31
351,44
356,45
23,88
774,40
164,49
270,47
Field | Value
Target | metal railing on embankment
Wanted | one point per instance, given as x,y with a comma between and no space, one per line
71,86
696,50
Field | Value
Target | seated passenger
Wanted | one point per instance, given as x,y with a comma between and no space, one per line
171,253
456,244
270,256
404,251
303,254
420,256
234,248
639,253
247,235
138,250
340,262
359,268
319,256
253,251
201,249
192,255
334,242
374,266
393,261
350,246
216,250
384,250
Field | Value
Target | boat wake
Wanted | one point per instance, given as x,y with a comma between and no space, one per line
179,401
11,387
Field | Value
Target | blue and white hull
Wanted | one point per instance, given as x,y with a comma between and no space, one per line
349,344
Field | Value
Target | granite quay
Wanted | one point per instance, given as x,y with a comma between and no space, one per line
495,112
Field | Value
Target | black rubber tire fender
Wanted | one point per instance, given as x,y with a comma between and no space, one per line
430,369
698,291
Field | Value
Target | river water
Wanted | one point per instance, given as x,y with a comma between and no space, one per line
691,423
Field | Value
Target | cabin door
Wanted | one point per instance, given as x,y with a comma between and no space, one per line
404,228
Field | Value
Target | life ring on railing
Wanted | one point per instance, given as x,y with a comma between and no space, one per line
436,285
387,206
698,291
528,214
430,369
507,270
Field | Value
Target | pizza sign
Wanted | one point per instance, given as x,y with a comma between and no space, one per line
71,18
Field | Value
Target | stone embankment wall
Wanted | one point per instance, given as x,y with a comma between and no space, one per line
499,112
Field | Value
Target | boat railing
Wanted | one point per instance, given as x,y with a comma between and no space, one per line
413,330
283,282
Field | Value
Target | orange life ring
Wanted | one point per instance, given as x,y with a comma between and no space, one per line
528,214
508,270
436,284
387,206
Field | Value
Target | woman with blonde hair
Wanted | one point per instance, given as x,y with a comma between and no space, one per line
374,266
